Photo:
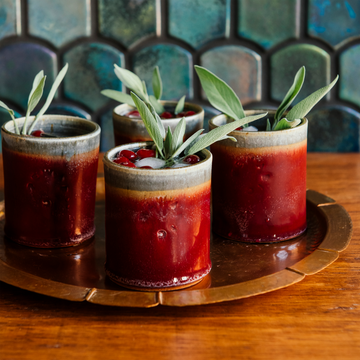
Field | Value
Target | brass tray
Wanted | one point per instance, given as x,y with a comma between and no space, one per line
238,270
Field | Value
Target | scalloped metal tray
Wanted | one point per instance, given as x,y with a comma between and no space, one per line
239,270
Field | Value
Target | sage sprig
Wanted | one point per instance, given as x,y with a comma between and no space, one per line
170,145
138,86
34,98
223,98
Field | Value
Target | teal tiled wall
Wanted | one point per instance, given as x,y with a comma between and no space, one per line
255,45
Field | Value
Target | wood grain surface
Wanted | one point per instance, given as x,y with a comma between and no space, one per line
318,318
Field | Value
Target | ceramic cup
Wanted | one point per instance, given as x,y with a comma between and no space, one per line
259,183
157,223
50,183
130,129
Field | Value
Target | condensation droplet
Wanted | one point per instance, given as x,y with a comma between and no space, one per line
161,234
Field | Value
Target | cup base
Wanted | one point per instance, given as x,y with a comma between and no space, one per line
148,286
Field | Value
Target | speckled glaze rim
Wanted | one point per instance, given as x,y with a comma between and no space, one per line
135,126
259,139
124,177
87,140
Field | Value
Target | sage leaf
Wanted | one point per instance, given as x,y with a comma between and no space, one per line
150,122
157,83
290,95
219,132
268,125
34,100
219,94
301,109
158,120
285,124
167,143
156,104
130,80
36,82
118,96
180,105
12,114
51,95
187,143
228,137
178,135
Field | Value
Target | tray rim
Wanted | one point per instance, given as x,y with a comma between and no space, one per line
337,238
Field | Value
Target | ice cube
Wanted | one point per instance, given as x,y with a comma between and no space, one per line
250,128
180,165
155,163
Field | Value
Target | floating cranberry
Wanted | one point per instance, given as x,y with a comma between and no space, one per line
190,113
37,133
128,154
145,167
181,114
129,164
133,113
121,160
192,159
145,153
239,128
166,115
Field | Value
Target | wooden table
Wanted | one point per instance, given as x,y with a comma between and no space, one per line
318,318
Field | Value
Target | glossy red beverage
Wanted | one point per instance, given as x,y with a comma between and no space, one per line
49,197
259,193
157,224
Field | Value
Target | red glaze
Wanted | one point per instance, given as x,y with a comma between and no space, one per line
145,153
49,201
259,195
128,154
158,240
37,133
192,159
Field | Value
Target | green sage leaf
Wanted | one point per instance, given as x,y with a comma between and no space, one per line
157,83
34,100
178,135
285,124
219,94
301,109
180,105
51,95
187,144
167,143
219,132
12,114
118,96
156,104
150,122
290,95
268,125
158,120
36,82
130,80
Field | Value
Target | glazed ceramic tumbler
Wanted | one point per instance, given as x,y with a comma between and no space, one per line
259,183
50,182
157,223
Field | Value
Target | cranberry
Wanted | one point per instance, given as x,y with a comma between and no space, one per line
192,159
128,154
145,167
190,112
37,133
166,115
181,114
121,160
133,113
145,153
239,128
129,164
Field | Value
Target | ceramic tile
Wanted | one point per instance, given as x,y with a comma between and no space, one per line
287,61
9,18
260,21
59,21
175,66
349,75
90,71
65,109
242,71
335,22
20,62
107,141
127,21
198,22
334,129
